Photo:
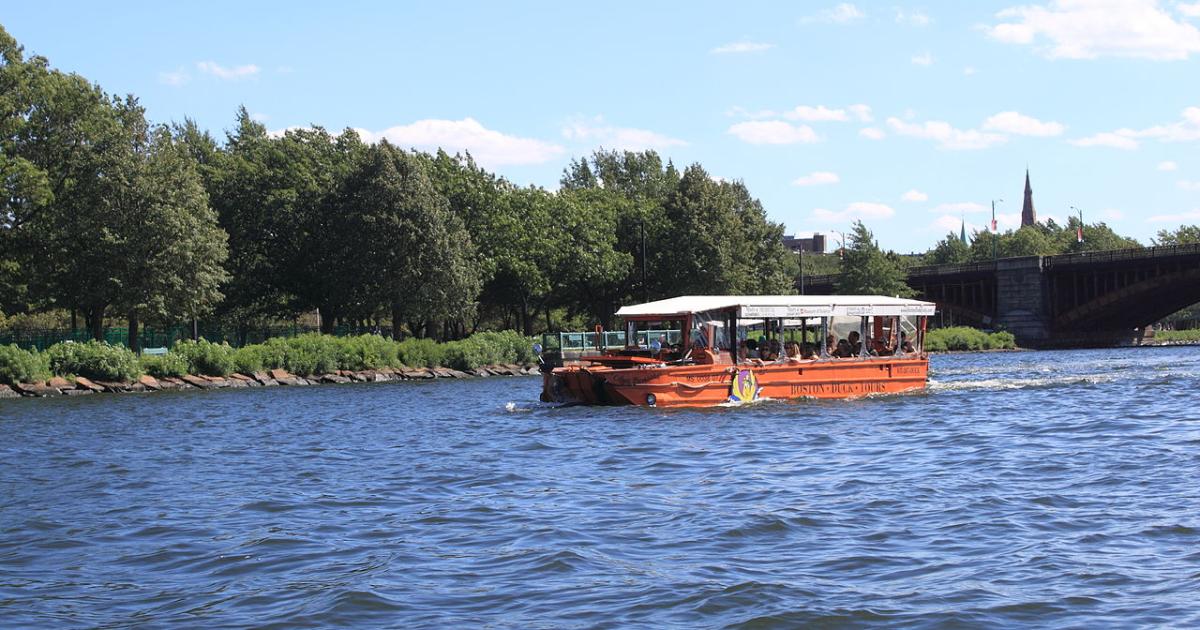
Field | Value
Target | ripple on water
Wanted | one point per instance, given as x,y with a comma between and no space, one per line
1035,488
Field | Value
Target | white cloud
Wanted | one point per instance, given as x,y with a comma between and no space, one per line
741,47
915,195
489,147
858,210
175,78
817,178
820,113
808,113
1182,217
923,59
1014,220
1168,166
1190,10
952,224
861,112
1188,185
872,133
1021,125
228,74
843,13
969,71
945,135
1087,29
1187,129
961,207
1115,140
279,133
596,131
912,18
774,132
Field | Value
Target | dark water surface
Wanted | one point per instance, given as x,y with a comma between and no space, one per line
1047,488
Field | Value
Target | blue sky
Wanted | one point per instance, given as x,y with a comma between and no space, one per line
908,116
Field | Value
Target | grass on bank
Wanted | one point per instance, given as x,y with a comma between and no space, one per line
963,338
304,355
1177,336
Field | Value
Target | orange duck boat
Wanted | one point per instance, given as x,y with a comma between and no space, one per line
730,349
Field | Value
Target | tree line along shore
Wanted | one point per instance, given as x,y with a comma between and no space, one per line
108,218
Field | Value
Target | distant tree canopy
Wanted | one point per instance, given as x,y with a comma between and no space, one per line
108,215
867,270
1183,235
1040,239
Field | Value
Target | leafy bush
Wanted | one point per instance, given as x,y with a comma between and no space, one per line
205,357
163,365
307,354
368,352
421,353
94,359
1002,340
22,366
465,354
960,338
273,353
248,359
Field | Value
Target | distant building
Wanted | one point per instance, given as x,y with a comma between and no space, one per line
1028,214
811,245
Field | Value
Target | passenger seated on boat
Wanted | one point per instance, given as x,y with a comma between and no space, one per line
808,351
793,351
843,350
855,343
771,350
831,345
701,355
751,348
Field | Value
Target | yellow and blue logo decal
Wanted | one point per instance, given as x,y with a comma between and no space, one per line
745,387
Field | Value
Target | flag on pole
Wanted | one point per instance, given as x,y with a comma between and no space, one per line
993,224
1079,233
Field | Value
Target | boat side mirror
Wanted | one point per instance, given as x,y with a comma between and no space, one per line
537,348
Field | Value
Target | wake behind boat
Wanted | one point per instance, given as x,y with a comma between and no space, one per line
713,349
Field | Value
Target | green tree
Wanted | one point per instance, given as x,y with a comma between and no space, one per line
419,249
700,255
86,143
25,185
1096,237
1182,235
948,251
866,269
587,272
1027,241
172,249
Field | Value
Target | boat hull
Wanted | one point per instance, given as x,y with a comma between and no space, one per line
715,384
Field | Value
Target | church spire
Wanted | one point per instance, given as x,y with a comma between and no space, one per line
1028,215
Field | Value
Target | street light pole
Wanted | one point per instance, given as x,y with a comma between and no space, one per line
1079,230
645,288
995,230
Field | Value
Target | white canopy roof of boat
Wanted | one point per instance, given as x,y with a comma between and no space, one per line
791,306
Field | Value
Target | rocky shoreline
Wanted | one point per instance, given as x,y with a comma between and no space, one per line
80,386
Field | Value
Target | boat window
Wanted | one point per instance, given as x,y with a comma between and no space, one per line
641,333
708,328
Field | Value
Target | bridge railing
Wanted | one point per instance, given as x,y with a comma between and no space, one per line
1116,255
1109,255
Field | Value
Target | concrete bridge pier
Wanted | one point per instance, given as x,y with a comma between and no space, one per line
1021,300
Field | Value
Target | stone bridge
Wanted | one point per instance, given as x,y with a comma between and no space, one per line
1072,300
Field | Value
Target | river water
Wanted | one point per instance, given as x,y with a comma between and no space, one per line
1048,488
